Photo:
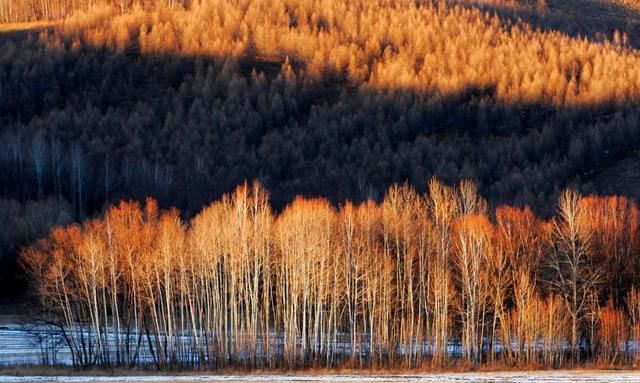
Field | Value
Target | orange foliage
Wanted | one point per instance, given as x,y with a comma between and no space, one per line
369,284
434,48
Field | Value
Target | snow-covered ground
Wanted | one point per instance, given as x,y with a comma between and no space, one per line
21,344
36,343
483,377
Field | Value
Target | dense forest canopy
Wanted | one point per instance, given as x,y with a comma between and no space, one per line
315,97
184,100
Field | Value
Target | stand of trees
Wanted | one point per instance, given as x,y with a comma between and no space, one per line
418,279
12,11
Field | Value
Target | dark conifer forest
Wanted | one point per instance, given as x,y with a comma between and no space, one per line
355,115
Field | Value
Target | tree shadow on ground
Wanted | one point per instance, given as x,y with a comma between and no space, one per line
594,19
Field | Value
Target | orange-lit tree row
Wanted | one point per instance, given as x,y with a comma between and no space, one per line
30,10
418,279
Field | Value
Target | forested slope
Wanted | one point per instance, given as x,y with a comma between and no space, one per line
315,97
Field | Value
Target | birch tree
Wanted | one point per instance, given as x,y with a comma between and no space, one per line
573,276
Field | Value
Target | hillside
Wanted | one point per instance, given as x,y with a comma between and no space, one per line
378,95
328,98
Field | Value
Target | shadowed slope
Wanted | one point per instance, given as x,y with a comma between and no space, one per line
595,19
308,105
